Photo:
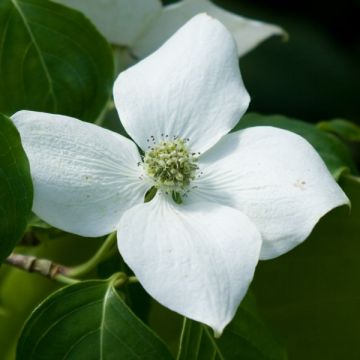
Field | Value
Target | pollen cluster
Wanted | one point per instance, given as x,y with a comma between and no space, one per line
171,165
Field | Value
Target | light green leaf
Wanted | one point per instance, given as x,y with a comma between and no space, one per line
52,59
332,150
16,190
89,321
311,295
345,129
245,338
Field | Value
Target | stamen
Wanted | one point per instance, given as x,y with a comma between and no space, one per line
171,166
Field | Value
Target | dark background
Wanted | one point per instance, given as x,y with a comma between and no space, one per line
315,75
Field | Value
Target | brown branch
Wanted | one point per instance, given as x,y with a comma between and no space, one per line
31,264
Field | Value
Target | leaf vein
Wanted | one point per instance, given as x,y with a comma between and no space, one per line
38,50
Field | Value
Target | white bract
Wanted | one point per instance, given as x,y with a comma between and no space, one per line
223,200
143,25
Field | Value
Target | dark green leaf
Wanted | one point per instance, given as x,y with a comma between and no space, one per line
345,129
334,152
16,190
245,338
136,297
88,321
311,295
52,59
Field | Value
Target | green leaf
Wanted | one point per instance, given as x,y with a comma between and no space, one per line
16,190
53,60
345,129
333,151
311,295
246,338
89,321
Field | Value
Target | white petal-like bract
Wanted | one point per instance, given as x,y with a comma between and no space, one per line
276,178
190,88
247,33
84,176
120,21
197,259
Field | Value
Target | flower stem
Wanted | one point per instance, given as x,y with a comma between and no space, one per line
42,267
99,256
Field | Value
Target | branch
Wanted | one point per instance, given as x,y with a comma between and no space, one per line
43,267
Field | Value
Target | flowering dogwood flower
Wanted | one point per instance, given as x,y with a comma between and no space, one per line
143,25
223,200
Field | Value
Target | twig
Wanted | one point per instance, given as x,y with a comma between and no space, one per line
43,267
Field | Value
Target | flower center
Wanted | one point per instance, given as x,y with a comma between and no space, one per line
171,166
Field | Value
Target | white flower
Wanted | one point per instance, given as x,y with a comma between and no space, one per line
251,194
143,25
